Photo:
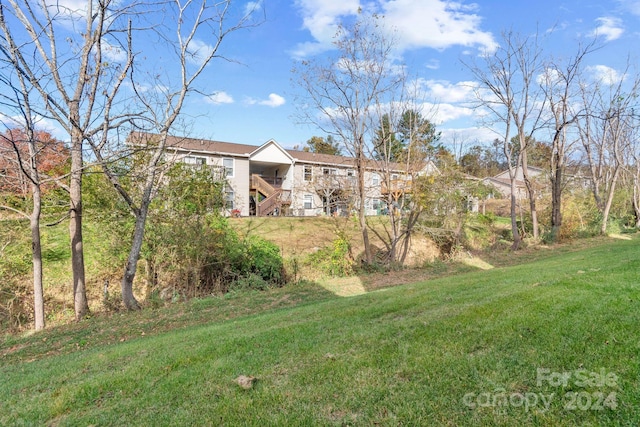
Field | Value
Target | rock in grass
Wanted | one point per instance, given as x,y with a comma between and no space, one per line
246,382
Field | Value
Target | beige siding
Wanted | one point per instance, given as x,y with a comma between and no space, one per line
270,158
240,184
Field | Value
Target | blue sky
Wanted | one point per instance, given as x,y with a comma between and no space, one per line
255,100
254,95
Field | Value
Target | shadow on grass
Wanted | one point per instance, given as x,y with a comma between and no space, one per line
116,327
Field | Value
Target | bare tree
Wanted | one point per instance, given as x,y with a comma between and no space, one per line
70,82
193,25
606,132
26,163
634,166
345,89
559,83
508,89
635,171
83,89
458,142
404,144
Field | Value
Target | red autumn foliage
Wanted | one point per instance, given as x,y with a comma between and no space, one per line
51,160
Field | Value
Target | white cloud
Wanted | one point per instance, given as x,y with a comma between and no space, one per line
113,53
610,28
433,64
273,101
251,7
444,112
549,77
632,6
468,137
605,74
11,121
71,14
70,8
445,91
198,52
437,24
40,123
321,18
219,98
146,88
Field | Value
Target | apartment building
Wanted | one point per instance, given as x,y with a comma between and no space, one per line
271,180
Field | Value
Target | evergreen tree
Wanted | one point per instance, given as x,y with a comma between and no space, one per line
320,145
412,137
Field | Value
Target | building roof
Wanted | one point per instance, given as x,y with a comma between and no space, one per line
319,158
205,146
197,145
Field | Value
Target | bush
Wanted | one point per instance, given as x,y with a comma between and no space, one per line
335,260
479,232
250,281
16,305
580,218
199,256
265,260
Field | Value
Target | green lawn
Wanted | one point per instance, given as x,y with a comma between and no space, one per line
482,348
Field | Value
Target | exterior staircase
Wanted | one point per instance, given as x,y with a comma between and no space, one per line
274,196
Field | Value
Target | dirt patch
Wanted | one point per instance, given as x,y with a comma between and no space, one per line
422,250
498,207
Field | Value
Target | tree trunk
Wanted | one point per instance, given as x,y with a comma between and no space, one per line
556,201
609,202
394,220
636,201
81,305
361,211
365,234
531,192
514,217
128,299
36,256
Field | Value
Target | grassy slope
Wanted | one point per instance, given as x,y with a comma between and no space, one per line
406,355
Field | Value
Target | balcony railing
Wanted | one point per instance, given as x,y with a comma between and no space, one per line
275,196
262,185
397,186
276,181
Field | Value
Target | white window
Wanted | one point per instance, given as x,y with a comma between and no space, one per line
351,172
308,173
376,204
375,179
229,198
195,160
394,177
308,201
228,167
329,171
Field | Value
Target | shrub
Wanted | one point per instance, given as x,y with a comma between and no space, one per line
335,260
203,255
580,218
250,281
265,260
16,304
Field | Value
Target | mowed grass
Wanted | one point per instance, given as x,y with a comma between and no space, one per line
462,350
